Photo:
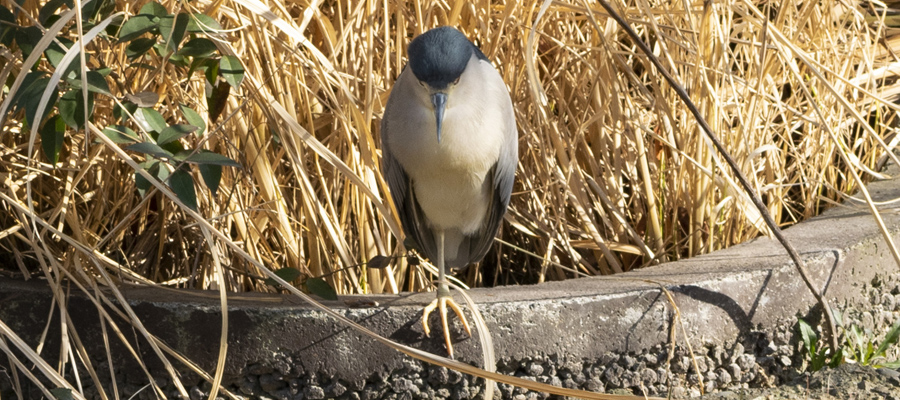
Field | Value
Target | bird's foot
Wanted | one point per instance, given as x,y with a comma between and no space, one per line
441,304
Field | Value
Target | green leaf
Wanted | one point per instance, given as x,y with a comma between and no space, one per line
8,26
93,10
139,47
891,364
179,61
837,358
201,23
48,10
182,183
137,26
55,52
319,287
121,134
141,183
173,133
212,176
211,70
232,70
173,28
288,274
153,8
96,83
889,339
150,120
52,137
379,262
867,353
808,335
142,99
27,38
194,119
206,157
149,148
197,47
62,393
217,97
28,97
154,168
71,108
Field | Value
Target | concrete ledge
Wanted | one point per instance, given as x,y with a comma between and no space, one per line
738,306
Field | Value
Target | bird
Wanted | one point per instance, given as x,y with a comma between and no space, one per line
449,155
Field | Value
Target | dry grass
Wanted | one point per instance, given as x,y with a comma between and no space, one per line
614,173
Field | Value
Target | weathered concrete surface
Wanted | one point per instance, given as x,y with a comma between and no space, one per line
738,306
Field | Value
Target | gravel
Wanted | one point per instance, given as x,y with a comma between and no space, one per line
848,381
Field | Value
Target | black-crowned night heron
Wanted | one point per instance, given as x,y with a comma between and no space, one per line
449,153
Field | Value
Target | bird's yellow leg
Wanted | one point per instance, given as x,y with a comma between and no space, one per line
441,303
443,299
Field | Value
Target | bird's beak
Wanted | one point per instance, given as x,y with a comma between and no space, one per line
439,100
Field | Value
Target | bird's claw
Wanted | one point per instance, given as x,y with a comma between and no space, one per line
441,304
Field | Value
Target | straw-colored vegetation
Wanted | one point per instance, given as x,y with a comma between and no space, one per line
613,175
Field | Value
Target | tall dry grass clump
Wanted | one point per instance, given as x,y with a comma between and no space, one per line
614,173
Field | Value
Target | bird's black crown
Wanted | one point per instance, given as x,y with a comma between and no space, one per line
439,56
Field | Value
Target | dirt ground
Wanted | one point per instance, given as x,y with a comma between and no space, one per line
847,382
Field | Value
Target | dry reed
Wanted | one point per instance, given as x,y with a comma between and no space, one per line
614,174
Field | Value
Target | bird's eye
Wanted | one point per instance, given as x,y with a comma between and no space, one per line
421,83
457,80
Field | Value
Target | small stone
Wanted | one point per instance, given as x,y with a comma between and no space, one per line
736,353
649,377
614,375
723,378
735,372
890,373
593,385
270,383
259,369
867,320
579,378
196,393
769,349
439,375
705,364
443,393
785,360
746,362
402,385
535,370
460,393
249,386
453,376
284,394
283,366
314,392
336,389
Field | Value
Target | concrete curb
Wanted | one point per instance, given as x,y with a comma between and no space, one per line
738,306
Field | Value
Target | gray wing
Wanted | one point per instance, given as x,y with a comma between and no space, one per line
411,217
500,184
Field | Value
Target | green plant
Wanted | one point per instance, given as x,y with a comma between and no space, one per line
152,33
856,346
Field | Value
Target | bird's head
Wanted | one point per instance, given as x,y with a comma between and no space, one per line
438,60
